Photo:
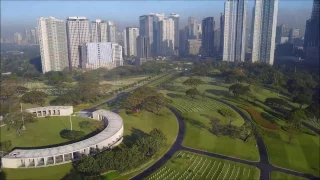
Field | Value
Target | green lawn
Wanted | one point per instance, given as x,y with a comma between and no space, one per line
45,131
198,127
45,173
187,165
137,125
276,175
301,155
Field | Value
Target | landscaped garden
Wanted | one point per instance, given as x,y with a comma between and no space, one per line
187,165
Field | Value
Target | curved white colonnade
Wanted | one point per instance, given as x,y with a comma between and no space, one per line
110,137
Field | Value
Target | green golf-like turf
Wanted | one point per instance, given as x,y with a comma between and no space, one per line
276,175
187,165
43,132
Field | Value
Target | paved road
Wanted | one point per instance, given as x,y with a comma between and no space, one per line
263,165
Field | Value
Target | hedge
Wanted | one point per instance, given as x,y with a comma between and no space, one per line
256,116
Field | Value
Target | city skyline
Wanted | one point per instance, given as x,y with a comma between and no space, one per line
127,18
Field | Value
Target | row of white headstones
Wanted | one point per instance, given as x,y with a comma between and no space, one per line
167,173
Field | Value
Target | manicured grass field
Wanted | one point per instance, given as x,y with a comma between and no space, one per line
45,173
187,165
276,175
135,126
198,127
301,155
161,80
45,131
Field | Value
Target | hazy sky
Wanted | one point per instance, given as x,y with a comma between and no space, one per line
18,15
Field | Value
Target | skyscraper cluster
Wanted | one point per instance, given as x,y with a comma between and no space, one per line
311,37
78,43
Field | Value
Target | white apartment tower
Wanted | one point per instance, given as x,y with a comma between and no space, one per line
131,38
234,30
53,44
175,18
111,32
166,37
78,32
99,31
264,30
18,38
104,54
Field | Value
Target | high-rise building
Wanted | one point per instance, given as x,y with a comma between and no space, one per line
207,48
183,36
216,40
28,36
166,37
111,32
293,34
18,38
192,28
146,27
193,47
125,43
99,31
143,47
175,18
156,36
102,54
131,37
53,44
221,33
33,37
37,35
234,30
78,32
199,33
282,33
264,31
311,38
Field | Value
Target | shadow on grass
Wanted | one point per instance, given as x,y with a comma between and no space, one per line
196,123
173,95
268,117
172,87
218,92
135,135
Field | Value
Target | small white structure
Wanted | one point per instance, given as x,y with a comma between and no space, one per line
110,137
51,111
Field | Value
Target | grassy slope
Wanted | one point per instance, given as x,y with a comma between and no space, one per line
180,165
46,173
301,155
276,175
43,132
198,135
146,122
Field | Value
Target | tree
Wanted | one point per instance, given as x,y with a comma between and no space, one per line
193,82
216,126
192,92
34,97
155,103
295,119
302,99
72,134
228,113
313,111
276,103
17,120
238,89
88,165
5,146
246,130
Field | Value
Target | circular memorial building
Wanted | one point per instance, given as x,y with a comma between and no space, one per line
110,137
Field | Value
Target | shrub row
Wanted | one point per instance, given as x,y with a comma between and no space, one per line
256,116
